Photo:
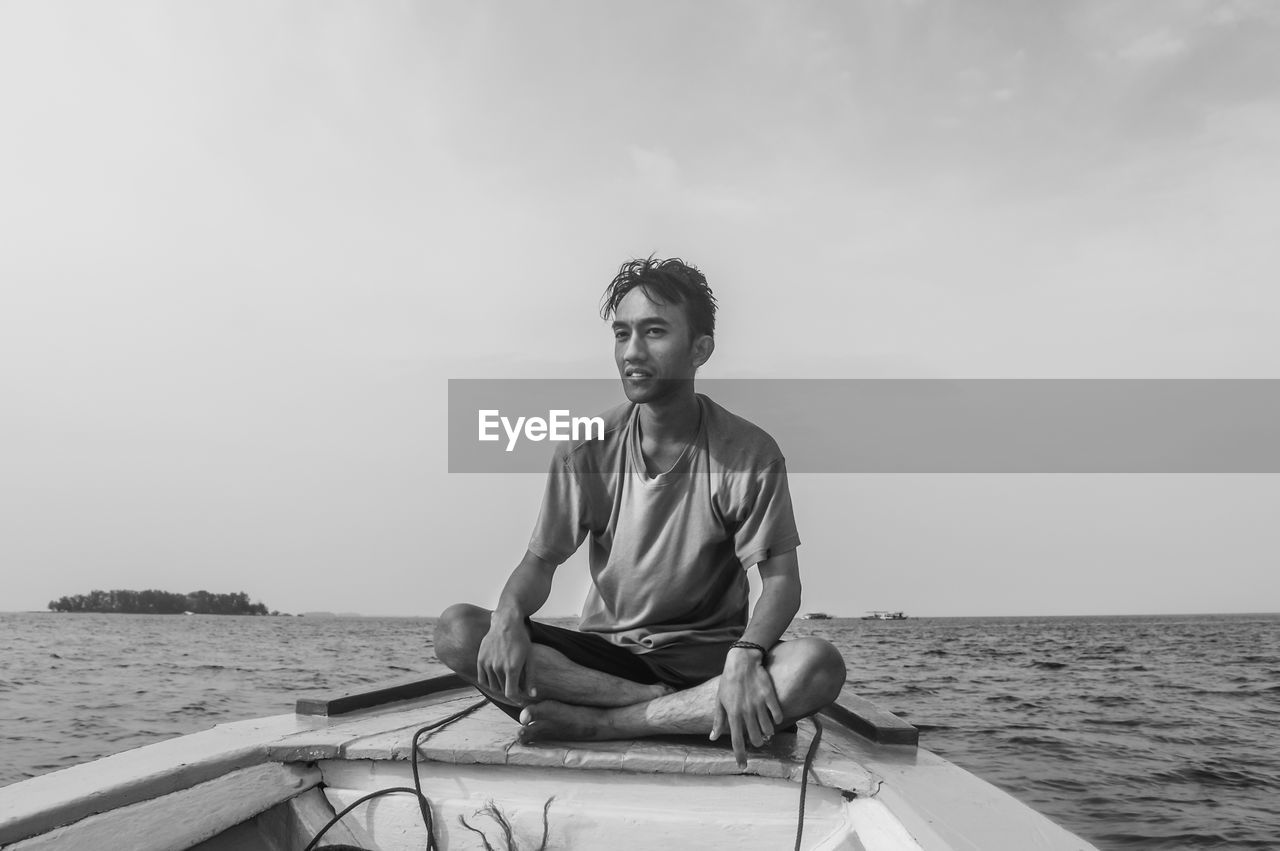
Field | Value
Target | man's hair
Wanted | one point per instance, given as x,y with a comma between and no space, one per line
667,282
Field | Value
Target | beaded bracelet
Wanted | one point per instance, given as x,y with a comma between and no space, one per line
749,645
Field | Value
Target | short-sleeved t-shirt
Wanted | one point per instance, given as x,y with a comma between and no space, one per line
668,553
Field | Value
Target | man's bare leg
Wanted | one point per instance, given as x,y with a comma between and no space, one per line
807,675
555,676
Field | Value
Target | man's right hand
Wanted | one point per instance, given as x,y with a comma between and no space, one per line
502,664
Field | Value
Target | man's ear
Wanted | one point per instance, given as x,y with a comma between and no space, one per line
703,346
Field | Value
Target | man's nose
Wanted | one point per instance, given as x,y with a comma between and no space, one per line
635,348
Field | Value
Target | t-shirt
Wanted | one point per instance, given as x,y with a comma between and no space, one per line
668,553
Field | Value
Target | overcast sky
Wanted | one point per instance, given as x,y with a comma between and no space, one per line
246,244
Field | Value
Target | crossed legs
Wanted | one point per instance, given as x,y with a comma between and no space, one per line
575,703
555,676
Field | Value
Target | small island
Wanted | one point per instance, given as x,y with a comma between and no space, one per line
152,602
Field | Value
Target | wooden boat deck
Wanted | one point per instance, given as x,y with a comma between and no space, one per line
488,737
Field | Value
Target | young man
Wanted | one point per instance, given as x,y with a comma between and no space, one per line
679,499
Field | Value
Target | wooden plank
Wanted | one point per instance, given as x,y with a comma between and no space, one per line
870,721
37,805
482,736
488,737
185,818
289,826
311,811
404,689
334,735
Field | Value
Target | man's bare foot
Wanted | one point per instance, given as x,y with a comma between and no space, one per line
657,690
550,719
627,694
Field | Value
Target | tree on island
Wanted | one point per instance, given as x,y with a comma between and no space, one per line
153,602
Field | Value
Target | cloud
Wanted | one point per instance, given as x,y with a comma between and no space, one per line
658,177
654,169
1232,12
1153,47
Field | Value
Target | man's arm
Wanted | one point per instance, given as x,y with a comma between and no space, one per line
501,664
747,701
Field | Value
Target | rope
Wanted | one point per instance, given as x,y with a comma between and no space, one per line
424,805
491,810
804,776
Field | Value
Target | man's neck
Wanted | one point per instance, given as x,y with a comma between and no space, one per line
671,421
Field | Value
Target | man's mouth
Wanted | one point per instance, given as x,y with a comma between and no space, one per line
637,373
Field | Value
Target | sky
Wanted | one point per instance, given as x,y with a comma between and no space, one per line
247,244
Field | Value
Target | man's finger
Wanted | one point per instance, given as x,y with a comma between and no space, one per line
765,720
751,726
717,726
738,737
511,678
775,708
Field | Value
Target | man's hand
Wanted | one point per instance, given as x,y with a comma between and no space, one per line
502,663
746,703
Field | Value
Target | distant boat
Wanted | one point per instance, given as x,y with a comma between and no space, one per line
815,616
880,615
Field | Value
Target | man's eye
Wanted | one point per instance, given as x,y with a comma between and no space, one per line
656,332
619,335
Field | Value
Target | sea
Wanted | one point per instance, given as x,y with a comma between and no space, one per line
1134,732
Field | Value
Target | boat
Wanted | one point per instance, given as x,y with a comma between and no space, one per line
427,763
881,615
815,616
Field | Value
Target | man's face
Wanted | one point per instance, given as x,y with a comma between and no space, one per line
655,353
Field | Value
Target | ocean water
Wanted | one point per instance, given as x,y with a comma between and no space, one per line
1135,732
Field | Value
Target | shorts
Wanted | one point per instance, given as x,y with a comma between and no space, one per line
681,666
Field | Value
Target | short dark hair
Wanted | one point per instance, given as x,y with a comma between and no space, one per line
670,281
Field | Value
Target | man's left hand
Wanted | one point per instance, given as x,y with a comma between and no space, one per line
747,703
